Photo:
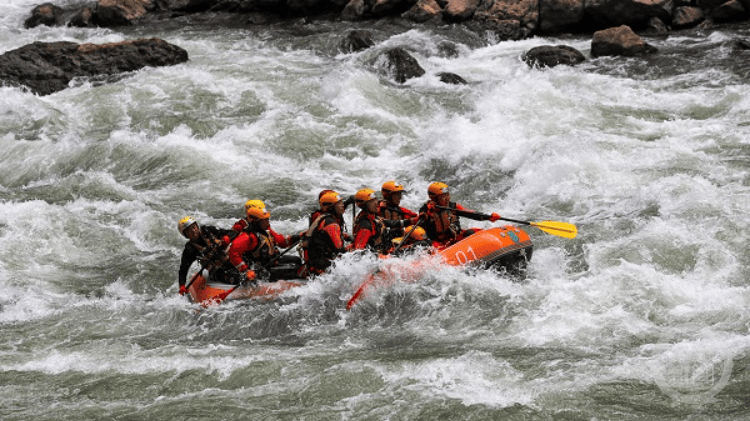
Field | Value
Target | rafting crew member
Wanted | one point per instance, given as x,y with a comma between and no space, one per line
443,226
371,230
263,243
416,239
317,212
324,240
216,251
390,206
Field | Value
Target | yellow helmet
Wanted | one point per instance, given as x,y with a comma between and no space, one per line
436,189
363,196
185,223
417,234
329,198
391,187
256,209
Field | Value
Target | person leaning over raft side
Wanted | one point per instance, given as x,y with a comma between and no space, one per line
263,242
324,240
390,207
442,225
214,249
370,229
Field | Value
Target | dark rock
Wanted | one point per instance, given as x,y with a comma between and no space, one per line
85,18
620,41
742,45
687,16
635,13
45,14
560,15
729,11
657,26
551,56
356,40
188,6
447,49
111,13
452,78
398,65
503,30
709,4
354,10
46,68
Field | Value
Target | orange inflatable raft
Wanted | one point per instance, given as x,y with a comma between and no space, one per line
506,248
211,293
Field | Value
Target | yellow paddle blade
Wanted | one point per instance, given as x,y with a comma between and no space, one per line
560,229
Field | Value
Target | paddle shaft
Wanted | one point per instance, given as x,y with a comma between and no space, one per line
278,256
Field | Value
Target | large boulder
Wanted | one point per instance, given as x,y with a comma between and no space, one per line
121,12
733,10
45,14
46,68
354,10
551,56
398,65
422,11
620,41
634,13
687,16
458,10
560,15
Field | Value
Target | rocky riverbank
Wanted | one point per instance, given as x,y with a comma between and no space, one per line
614,25
507,19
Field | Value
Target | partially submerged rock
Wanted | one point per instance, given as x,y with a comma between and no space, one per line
551,56
48,67
356,40
398,65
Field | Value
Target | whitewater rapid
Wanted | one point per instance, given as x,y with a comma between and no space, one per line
643,315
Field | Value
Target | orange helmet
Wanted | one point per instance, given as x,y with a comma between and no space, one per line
417,234
322,192
436,189
363,196
329,198
256,209
391,187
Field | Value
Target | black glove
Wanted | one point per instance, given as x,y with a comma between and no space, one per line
349,201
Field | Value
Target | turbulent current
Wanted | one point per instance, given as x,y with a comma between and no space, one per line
644,315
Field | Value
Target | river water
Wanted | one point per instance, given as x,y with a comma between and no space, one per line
643,316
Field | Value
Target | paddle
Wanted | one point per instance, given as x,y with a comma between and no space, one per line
560,229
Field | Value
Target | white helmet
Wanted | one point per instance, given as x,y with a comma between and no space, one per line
184,224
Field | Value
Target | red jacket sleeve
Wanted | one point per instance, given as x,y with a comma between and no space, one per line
239,246
280,240
408,213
